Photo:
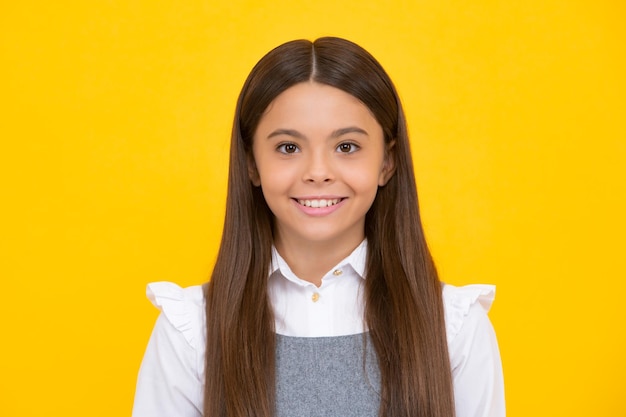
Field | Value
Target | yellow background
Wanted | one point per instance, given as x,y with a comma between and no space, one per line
115,119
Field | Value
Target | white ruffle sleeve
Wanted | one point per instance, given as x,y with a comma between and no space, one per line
170,380
474,354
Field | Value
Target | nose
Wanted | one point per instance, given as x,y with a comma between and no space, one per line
318,168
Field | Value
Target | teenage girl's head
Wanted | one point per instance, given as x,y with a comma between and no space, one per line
340,64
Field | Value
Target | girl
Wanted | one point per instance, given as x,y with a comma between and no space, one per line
324,300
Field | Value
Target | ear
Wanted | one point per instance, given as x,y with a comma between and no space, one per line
253,173
389,164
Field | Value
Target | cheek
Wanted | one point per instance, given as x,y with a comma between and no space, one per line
276,182
274,175
366,175
365,185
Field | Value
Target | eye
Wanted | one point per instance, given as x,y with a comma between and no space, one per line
347,147
287,148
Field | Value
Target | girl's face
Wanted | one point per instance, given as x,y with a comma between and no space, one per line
319,157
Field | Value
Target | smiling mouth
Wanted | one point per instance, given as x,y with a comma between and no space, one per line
319,203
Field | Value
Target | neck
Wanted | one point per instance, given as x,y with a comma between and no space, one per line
310,261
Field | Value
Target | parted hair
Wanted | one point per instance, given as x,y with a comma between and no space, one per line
403,300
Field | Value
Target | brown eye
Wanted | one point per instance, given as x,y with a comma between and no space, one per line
288,148
347,147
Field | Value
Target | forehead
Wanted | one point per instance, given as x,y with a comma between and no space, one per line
316,107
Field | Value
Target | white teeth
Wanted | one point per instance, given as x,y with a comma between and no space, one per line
319,203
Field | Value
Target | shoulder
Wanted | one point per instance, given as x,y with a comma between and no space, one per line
463,306
182,310
170,380
473,350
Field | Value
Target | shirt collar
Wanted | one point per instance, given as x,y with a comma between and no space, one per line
356,260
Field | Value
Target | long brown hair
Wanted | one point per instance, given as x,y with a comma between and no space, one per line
404,309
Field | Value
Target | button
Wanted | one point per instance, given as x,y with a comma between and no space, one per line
337,272
315,297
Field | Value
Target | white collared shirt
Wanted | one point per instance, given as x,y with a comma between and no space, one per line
304,310
171,377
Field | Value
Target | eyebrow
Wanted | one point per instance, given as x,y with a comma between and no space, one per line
335,134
